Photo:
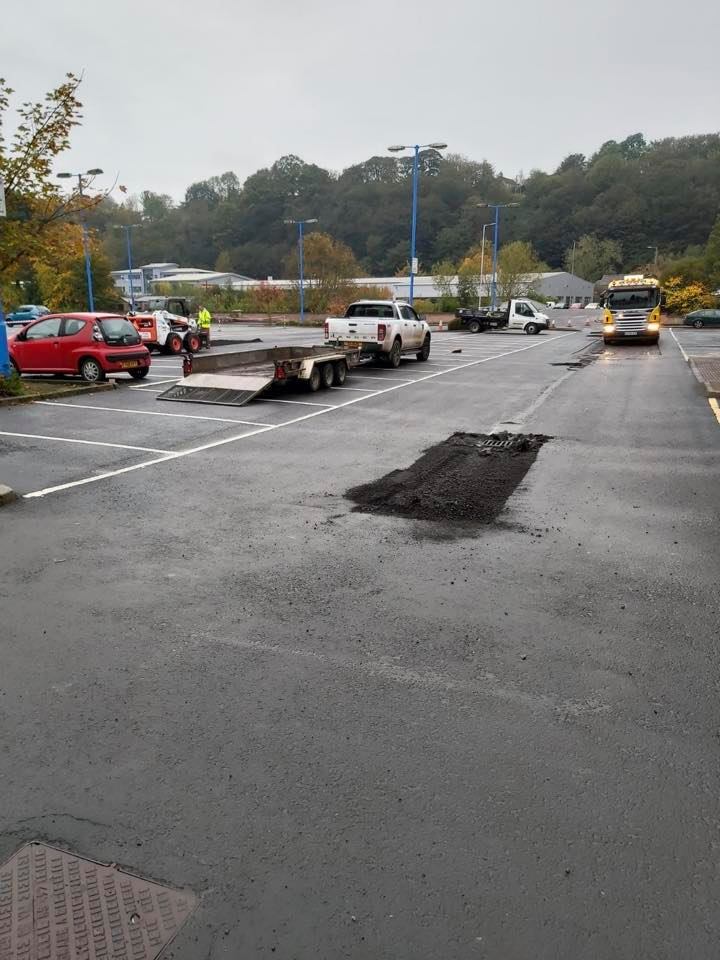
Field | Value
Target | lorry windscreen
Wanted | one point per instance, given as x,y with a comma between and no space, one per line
641,299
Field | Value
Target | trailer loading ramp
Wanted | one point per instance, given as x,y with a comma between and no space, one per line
230,391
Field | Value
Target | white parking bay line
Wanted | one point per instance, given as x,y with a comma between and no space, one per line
90,443
302,403
379,376
672,334
354,389
157,384
211,445
150,413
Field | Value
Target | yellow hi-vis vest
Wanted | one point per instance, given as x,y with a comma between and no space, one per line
204,318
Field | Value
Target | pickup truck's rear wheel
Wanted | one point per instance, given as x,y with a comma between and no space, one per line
531,329
327,375
474,326
339,373
313,381
395,354
425,351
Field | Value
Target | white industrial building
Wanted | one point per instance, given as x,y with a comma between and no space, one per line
557,285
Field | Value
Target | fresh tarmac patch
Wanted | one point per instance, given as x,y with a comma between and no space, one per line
463,482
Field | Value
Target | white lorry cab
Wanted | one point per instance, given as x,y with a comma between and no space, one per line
386,329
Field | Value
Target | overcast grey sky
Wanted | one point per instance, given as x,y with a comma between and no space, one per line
176,92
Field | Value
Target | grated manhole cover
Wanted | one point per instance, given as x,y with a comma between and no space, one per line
58,906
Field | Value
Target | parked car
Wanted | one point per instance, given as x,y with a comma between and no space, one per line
703,318
577,305
23,315
560,305
592,306
89,344
386,329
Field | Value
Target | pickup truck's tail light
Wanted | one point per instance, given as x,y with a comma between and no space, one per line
327,330
382,331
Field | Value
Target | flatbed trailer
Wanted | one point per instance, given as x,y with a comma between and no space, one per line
236,377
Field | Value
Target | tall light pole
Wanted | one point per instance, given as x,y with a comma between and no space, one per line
655,261
96,171
127,227
482,260
301,258
397,148
5,368
497,207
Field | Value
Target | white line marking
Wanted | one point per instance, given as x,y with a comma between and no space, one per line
354,389
253,433
150,389
357,376
91,443
544,395
171,380
302,403
672,334
715,407
150,413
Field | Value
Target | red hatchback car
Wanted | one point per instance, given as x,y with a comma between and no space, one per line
89,344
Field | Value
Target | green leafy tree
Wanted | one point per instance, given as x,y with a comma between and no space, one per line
593,257
444,273
36,210
517,263
712,255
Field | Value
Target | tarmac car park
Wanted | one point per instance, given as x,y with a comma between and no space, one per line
51,443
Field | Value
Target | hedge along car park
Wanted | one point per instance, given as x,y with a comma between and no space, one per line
90,345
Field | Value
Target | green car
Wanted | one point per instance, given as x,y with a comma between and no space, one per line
703,318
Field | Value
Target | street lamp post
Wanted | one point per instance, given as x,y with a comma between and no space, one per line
127,227
482,261
301,258
397,148
655,261
496,207
86,245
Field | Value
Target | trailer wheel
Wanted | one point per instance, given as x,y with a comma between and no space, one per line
173,344
531,329
474,326
425,352
327,375
192,342
339,373
395,354
313,380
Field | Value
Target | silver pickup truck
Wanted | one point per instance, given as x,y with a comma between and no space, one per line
387,329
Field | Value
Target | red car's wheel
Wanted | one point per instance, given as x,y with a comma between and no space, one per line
91,371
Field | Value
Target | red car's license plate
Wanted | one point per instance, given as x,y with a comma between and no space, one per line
127,364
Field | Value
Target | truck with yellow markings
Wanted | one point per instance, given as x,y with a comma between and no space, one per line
631,309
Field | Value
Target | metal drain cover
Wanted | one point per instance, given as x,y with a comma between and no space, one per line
58,906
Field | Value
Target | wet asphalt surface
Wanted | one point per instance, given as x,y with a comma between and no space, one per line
350,735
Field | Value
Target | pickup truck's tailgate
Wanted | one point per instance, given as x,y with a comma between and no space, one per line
232,391
354,331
